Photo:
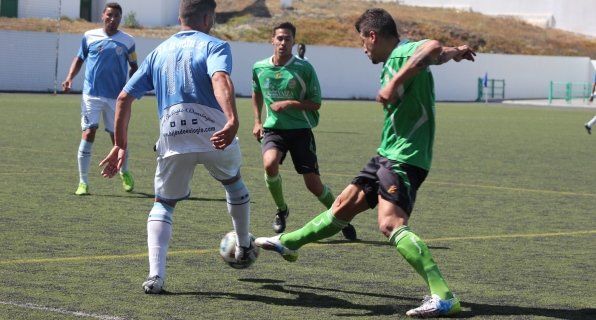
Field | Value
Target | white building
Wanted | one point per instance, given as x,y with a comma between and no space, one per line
149,13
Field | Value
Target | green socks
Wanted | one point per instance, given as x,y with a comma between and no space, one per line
276,190
326,198
322,226
415,251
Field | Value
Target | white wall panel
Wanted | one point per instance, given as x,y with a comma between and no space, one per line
28,58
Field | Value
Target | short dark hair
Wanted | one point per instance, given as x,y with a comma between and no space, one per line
377,20
113,5
285,25
191,10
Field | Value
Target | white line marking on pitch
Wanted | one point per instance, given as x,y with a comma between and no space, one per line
58,310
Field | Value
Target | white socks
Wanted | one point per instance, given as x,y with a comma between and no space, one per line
159,232
591,122
84,159
238,200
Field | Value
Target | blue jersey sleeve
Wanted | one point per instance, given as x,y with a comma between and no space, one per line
83,50
220,59
141,81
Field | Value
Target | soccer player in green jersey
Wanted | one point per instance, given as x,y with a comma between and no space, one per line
392,177
289,88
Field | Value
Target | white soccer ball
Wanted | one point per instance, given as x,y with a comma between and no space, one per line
227,250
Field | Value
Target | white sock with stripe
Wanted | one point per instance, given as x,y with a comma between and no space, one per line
84,160
159,232
238,200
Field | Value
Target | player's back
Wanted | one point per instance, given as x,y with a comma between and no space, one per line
182,67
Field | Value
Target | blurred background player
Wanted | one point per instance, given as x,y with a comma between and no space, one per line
191,75
302,51
592,121
290,89
108,52
391,178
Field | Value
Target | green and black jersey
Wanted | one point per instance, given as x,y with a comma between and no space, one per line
296,80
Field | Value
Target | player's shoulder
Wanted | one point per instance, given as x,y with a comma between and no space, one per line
262,64
124,38
298,63
406,48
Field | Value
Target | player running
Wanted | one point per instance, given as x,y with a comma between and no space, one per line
290,89
108,52
392,178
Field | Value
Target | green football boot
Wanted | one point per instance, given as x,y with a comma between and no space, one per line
82,190
128,182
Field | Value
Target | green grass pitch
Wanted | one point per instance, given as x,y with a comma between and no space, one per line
508,211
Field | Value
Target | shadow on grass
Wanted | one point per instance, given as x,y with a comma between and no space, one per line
136,194
302,299
305,297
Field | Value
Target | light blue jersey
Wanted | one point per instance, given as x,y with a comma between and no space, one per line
180,71
107,59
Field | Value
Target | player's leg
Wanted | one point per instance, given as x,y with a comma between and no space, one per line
303,150
398,185
348,204
172,183
90,113
224,166
359,196
109,112
323,193
590,124
274,151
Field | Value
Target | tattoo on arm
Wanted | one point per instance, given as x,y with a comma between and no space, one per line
422,59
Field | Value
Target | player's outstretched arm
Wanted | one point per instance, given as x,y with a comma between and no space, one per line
223,88
429,53
115,159
75,67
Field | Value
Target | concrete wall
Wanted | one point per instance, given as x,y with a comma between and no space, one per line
28,62
48,9
571,15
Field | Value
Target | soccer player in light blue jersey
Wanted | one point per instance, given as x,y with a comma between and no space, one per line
190,73
108,52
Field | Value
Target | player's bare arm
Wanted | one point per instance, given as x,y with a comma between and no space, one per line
430,53
115,159
257,107
223,89
305,105
133,68
75,67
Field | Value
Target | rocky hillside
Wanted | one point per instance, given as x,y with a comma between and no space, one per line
330,22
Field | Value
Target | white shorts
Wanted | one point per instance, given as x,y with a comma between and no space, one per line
174,173
92,107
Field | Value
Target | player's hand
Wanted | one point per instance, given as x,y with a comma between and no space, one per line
257,131
386,96
224,137
67,85
113,162
464,53
279,106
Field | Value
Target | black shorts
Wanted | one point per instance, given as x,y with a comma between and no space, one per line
395,182
299,142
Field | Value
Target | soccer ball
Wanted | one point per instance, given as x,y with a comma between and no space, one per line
227,250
